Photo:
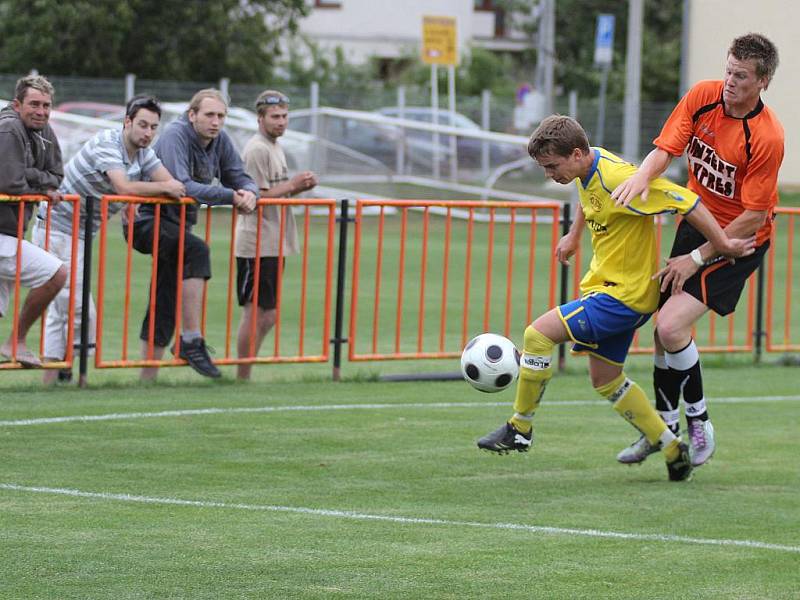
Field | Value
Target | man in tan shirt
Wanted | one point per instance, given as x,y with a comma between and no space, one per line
266,163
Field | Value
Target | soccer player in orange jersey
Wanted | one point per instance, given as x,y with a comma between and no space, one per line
734,146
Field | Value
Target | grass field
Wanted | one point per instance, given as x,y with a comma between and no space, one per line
294,487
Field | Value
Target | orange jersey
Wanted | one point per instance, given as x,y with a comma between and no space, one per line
733,163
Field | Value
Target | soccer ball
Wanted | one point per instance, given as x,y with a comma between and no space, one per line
490,362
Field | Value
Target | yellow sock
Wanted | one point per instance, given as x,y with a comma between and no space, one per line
534,373
630,401
671,450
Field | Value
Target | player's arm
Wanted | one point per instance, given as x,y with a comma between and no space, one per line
569,243
681,268
731,244
758,188
638,184
162,184
743,226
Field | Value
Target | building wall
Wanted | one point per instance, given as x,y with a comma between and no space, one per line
366,28
393,28
714,23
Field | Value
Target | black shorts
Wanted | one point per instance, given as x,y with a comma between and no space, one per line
719,284
268,281
196,264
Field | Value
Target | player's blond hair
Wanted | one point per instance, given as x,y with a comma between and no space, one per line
557,135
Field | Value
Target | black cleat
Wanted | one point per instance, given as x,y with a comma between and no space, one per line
506,439
196,354
680,469
64,375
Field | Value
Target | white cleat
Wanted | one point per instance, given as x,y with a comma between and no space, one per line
637,452
701,441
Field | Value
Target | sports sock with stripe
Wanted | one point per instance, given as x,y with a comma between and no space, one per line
534,373
686,367
667,388
630,401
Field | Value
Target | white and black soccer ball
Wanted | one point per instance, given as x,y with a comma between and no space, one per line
490,362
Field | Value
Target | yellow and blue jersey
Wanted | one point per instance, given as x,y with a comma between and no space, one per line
624,238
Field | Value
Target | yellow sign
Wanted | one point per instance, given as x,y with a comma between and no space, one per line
439,45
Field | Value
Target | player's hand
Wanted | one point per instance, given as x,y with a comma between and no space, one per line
54,197
636,185
737,247
566,247
244,200
677,271
303,181
174,188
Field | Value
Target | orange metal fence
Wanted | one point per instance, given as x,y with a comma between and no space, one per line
782,337
311,291
390,314
427,275
23,200
406,319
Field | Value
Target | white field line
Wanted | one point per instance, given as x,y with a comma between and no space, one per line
357,516
334,407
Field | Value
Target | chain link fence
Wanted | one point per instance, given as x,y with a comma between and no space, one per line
375,97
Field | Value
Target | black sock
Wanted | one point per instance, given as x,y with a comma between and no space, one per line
686,365
667,387
693,393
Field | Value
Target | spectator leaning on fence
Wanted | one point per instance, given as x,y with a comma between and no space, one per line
196,151
30,163
266,163
115,161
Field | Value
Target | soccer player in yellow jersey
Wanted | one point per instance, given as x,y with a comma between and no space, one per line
618,293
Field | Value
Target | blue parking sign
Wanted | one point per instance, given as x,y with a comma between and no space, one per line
604,40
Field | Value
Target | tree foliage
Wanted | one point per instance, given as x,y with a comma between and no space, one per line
477,70
574,45
190,40
306,62
196,40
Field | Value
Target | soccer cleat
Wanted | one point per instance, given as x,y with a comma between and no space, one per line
506,439
65,375
701,438
195,353
680,469
637,452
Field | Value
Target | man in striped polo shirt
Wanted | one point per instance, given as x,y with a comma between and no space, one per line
115,161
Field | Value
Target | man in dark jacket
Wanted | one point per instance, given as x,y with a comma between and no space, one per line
196,151
30,164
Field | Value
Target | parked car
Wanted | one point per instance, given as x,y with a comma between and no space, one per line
372,140
468,148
